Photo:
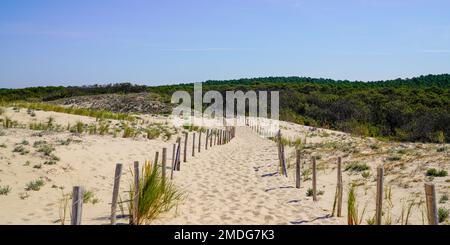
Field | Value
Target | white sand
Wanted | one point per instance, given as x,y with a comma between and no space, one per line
235,183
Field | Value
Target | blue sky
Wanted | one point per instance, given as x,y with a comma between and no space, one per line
45,42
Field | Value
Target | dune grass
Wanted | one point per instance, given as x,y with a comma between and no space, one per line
99,114
156,195
353,216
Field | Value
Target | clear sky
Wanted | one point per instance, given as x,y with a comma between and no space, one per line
62,42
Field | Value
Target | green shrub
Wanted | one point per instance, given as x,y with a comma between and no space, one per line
442,214
443,199
4,190
46,149
79,127
393,158
35,185
103,128
356,167
153,133
21,149
442,149
436,173
309,192
365,174
128,132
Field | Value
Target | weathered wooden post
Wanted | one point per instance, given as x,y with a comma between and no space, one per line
314,180
215,136
279,151
297,169
379,196
199,140
156,159
283,160
340,187
178,155
430,195
163,164
193,145
185,147
211,138
207,137
77,205
115,195
136,194
173,161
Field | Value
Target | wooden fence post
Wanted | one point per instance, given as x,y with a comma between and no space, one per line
220,137
163,164
211,139
173,160
77,205
379,196
314,180
340,187
206,140
136,194
279,151
178,155
297,169
430,195
193,144
215,136
115,195
283,160
199,140
185,147
155,164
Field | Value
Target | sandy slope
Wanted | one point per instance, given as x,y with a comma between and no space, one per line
235,183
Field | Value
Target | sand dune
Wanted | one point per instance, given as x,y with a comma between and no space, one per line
237,183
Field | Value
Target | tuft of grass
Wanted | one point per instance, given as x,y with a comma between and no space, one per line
88,196
309,192
156,195
39,143
442,149
443,199
128,132
63,207
50,162
442,214
365,174
436,173
3,145
393,158
46,149
103,128
35,185
5,190
79,127
306,174
353,217
153,133
356,167
21,149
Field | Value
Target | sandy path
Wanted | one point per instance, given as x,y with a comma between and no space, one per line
237,184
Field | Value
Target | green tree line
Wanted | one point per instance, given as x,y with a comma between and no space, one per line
415,109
